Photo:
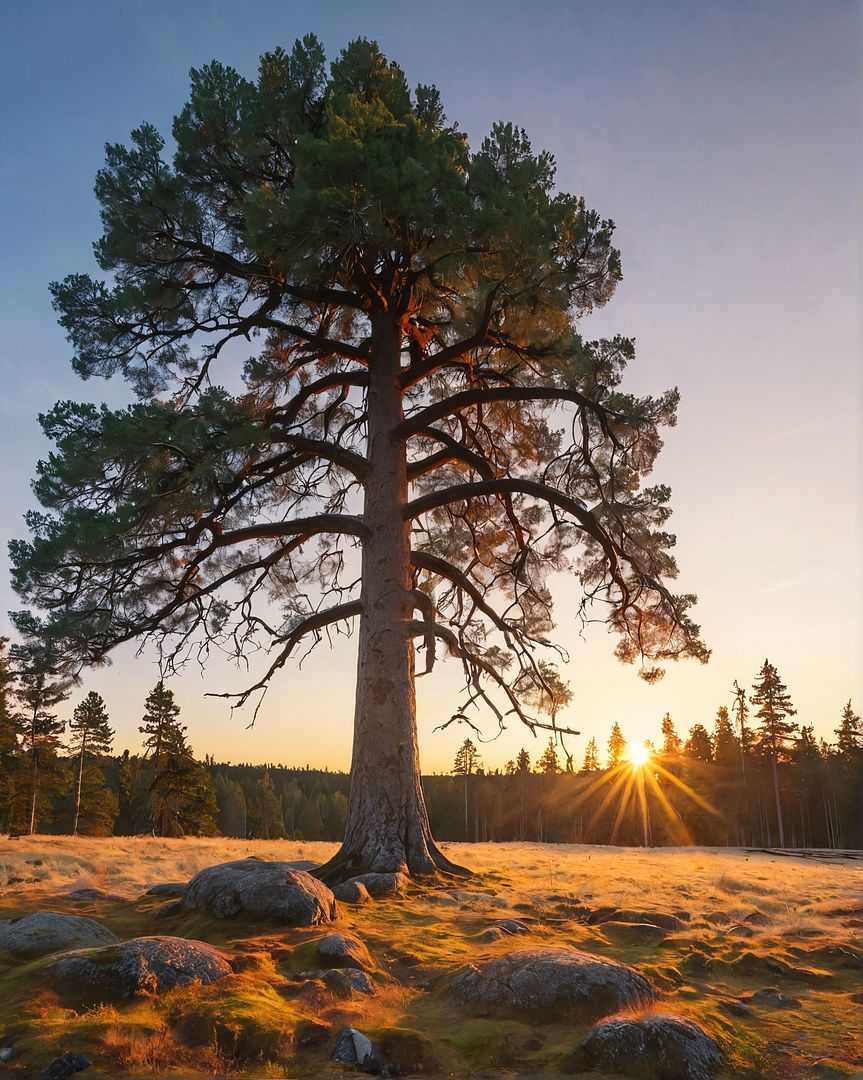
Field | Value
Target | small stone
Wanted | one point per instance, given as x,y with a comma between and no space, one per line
380,885
740,931
772,998
167,889
353,1048
600,914
494,933
352,892
514,926
677,1048
344,951
346,982
633,932
663,919
64,1066
6,1053
757,918
718,918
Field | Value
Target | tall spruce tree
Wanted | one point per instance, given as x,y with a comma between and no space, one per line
775,731
849,734
698,744
549,762
726,747
10,729
467,761
418,386
672,744
181,798
39,689
89,733
591,757
616,746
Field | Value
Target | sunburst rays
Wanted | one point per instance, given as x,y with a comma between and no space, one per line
641,787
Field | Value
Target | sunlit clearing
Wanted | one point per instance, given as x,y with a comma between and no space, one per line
638,756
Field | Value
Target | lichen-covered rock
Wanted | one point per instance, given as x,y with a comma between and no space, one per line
132,968
344,951
352,892
380,885
45,932
262,890
551,981
670,1047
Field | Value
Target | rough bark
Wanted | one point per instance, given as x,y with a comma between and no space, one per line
387,828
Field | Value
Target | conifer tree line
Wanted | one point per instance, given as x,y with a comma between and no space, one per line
752,777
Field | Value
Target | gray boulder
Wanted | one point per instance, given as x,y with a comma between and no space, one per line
671,1047
550,981
380,885
132,968
262,890
51,931
352,892
344,951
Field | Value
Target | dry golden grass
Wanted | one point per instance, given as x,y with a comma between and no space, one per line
259,1023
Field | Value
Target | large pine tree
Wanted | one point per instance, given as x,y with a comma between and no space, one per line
89,733
775,731
181,797
39,689
417,384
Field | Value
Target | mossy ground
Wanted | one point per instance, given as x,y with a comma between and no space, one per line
261,1021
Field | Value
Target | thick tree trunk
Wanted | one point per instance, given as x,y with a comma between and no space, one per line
387,827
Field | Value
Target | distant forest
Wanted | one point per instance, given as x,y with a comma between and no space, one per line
754,778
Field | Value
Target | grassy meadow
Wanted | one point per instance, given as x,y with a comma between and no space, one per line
804,937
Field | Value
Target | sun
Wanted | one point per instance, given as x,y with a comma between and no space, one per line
638,756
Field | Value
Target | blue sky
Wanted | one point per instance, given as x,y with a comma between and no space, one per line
723,139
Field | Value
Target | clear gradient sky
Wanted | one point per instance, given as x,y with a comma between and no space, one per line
723,138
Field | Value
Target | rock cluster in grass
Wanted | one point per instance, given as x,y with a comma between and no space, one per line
129,969
551,981
46,932
261,890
